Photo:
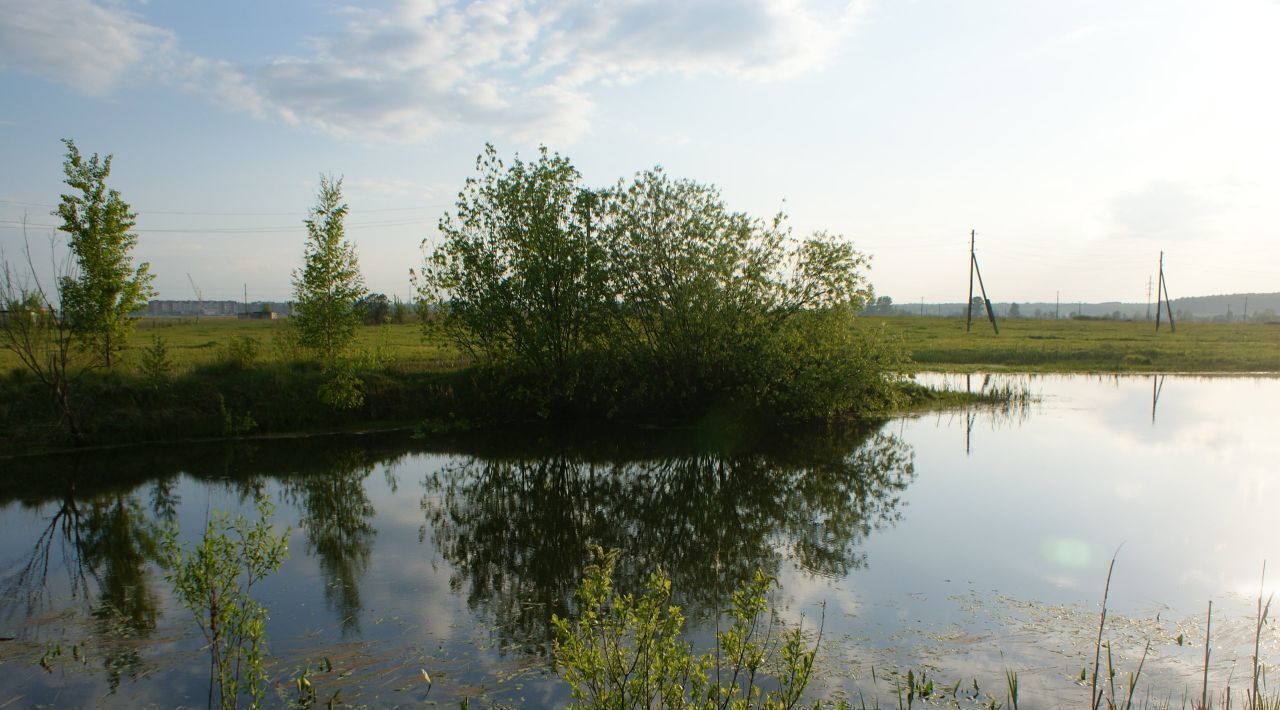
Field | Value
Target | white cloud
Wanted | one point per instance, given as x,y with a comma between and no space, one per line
761,39
407,71
77,42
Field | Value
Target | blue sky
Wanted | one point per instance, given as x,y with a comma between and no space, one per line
1078,138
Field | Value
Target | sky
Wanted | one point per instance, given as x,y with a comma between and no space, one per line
1079,139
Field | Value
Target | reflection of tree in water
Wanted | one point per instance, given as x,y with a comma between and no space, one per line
105,546
336,514
26,584
120,542
518,531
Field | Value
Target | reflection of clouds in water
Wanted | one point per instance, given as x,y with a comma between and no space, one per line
1222,418
407,569
1194,415
804,596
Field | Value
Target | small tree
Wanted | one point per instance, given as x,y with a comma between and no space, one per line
215,580
42,338
98,300
326,290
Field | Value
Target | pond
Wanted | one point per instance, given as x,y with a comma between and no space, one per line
961,544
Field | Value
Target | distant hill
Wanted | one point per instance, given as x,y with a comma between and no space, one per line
1227,307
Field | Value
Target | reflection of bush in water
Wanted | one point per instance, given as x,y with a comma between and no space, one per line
518,531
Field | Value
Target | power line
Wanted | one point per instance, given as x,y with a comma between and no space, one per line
282,229
21,203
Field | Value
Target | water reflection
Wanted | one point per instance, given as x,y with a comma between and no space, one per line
1157,386
107,549
513,523
336,518
518,530
1019,529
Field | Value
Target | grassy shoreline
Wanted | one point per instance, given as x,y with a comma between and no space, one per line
223,402
408,381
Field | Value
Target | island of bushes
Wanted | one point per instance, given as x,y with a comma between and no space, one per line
647,302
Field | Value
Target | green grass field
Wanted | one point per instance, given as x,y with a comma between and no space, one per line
934,344
1085,345
193,343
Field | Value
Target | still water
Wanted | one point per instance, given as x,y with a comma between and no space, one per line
963,544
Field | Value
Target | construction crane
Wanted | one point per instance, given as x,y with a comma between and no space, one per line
199,297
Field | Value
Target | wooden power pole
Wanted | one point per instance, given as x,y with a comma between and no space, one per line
1162,291
986,302
968,319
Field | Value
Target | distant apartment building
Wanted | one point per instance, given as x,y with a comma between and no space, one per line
190,309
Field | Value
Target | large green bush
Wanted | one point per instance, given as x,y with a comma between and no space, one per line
650,298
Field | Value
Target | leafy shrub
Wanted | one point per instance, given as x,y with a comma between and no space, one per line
234,424
215,582
241,351
653,291
342,388
518,275
625,651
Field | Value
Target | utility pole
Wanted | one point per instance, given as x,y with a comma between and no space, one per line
1057,299
1245,318
991,314
1148,297
986,302
922,305
968,320
1162,291
246,299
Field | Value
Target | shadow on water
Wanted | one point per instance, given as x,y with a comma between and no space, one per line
513,514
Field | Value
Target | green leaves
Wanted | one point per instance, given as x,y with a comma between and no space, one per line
625,651
214,580
650,292
517,274
107,288
156,364
329,286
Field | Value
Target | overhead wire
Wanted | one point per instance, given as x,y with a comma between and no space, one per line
281,229
294,213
